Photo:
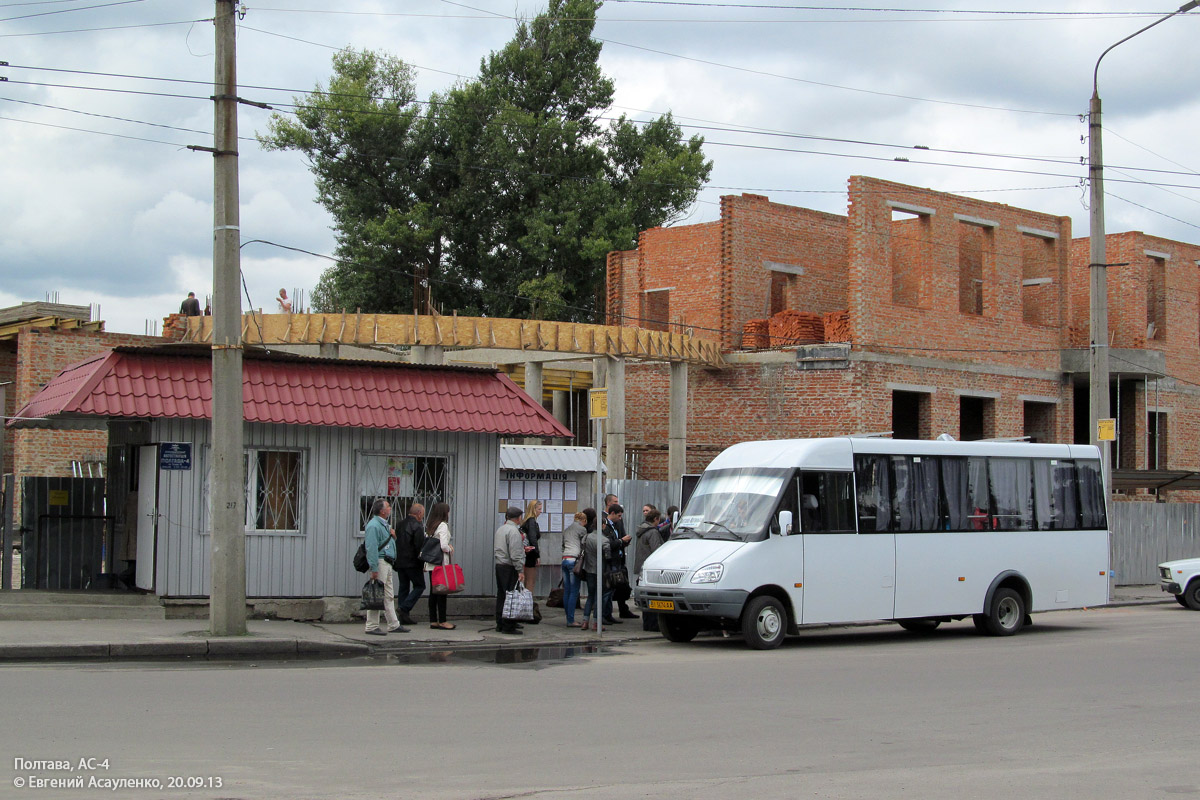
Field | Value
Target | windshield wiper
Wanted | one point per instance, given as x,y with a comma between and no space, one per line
726,527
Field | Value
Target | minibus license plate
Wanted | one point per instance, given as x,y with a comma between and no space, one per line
662,605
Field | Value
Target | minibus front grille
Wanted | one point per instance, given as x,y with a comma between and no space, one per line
664,577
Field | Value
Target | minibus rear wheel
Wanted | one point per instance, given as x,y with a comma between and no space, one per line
1006,614
764,623
677,629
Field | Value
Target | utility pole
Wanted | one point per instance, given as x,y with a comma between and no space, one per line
1098,384
227,596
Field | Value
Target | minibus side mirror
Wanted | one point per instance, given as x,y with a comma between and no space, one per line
785,523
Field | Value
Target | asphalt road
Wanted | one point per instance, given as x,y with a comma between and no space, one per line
1086,704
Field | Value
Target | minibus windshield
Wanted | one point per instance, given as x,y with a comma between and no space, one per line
732,504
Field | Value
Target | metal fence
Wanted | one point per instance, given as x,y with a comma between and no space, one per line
634,494
1145,534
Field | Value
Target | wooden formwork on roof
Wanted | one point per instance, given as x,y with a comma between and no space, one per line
384,330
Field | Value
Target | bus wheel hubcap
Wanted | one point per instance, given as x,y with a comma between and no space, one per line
768,623
1007,612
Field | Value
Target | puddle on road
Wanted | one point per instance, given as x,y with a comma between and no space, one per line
527,657
499,656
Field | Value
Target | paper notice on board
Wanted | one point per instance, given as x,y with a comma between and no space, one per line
516,492
556,490
554,506
569,490
556,523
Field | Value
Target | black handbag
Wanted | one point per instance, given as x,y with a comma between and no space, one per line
372,595
360,558
431,551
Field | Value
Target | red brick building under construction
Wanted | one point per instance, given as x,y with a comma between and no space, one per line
918,313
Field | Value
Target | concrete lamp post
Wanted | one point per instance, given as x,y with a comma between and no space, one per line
1098,266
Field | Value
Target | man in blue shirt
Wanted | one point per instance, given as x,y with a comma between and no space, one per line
381,552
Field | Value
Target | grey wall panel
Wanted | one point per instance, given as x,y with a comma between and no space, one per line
317,561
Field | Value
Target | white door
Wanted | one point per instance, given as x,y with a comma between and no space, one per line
849,576
147,519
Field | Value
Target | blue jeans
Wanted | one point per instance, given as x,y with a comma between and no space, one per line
570,589
589,607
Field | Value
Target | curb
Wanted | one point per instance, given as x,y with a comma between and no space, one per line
199,649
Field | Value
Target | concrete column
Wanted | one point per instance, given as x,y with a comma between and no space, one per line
614,445
560,405
427,354
533,388
677,426
327,350
599,381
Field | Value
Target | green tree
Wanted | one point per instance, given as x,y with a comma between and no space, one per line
507,193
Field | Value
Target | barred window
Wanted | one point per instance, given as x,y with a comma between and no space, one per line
274,486
401,480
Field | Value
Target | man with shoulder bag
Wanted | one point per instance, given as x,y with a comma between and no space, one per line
381,551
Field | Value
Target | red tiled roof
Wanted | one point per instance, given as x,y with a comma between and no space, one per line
296,391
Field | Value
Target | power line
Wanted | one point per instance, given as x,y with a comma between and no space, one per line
108,28
86,130
70,10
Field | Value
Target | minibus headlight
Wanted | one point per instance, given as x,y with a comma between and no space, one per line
710,573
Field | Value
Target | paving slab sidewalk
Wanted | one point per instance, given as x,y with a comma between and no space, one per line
110,639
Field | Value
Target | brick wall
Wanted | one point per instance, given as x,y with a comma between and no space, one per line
41,354
936,324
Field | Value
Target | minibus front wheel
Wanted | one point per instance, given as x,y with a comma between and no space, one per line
677,628
764,623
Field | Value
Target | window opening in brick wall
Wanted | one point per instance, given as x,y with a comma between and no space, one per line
1039,292
910,415
909,248
779,293
401,480
656,310
1156,440
1123,401
1156,299
974,250
1040,421
976,418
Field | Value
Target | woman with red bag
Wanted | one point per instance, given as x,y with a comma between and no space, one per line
436,526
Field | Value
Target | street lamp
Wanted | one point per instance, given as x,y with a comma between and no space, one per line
1097,264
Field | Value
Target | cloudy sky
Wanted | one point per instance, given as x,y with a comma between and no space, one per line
101,202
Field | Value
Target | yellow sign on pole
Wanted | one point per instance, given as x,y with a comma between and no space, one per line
1106,430
598,403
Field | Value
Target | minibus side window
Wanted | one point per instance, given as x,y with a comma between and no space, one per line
874,493
826,502
1093,514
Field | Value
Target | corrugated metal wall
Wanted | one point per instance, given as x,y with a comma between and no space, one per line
1146,534
316,562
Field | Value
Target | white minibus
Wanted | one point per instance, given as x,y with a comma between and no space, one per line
780,534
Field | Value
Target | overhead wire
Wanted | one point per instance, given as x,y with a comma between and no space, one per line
70,10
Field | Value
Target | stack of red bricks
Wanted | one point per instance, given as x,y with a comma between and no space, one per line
837,326
756,334
797,327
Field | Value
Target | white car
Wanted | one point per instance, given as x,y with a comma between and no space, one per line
1182,579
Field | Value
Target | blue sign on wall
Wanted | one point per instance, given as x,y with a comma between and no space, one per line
175,455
